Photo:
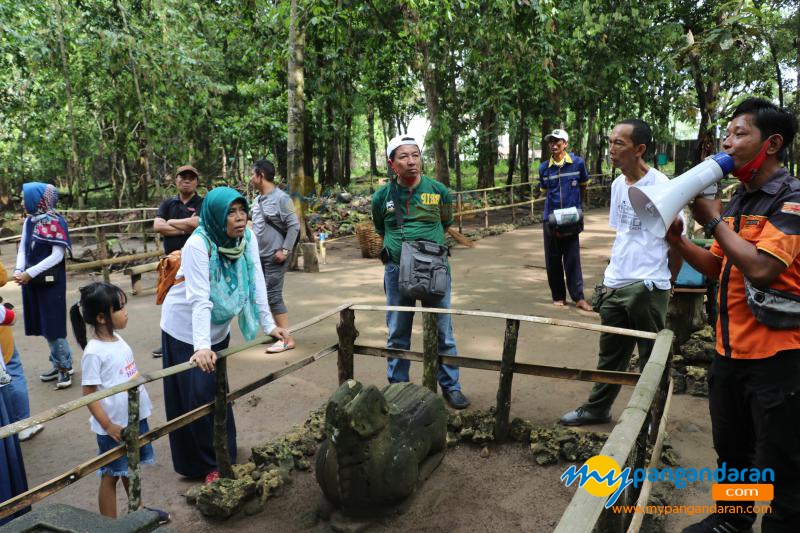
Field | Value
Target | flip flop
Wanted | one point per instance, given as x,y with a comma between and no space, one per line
279,347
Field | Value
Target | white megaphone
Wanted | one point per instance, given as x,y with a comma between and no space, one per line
658,205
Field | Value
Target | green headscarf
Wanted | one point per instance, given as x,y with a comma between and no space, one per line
232,277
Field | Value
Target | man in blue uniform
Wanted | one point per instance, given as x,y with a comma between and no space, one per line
564,179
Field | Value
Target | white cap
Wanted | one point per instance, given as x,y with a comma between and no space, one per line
557,134
400,140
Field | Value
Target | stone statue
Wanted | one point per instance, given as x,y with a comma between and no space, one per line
376,443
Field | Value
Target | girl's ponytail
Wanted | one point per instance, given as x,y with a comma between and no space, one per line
97,299
78,324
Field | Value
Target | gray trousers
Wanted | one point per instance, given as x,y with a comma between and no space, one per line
273,274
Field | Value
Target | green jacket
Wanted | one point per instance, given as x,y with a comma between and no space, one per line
427,211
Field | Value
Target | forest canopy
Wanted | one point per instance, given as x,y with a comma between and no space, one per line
115,94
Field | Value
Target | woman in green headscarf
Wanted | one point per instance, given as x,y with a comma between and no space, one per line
221,281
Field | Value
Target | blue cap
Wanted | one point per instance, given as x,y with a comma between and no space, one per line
724,161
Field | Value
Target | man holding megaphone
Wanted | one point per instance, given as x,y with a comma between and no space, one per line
754,381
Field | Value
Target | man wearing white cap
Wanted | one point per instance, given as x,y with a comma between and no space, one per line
564,179
425,210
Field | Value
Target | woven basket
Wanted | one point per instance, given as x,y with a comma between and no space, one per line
371,243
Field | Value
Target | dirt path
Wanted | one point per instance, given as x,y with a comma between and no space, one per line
506,491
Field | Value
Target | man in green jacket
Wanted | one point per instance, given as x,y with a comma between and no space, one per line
426,208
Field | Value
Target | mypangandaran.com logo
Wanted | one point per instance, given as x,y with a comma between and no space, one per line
601,476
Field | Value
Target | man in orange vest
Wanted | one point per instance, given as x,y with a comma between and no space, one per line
754,380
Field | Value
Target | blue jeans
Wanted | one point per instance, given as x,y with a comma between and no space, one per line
119,467
399,324
60,353
16,392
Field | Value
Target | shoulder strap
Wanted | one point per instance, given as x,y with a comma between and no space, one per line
271,223
274,226
396,200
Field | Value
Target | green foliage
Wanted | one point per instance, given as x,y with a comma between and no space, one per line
213,81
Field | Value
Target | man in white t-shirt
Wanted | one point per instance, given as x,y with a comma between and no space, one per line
638,279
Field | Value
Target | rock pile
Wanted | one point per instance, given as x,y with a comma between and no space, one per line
690,366
547,444
264,475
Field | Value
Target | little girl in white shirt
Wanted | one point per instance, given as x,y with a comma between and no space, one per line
107,362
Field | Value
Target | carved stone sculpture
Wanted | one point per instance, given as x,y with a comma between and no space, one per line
376,443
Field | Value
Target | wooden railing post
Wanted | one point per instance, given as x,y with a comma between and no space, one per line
460,208
346,329
486,207
531,197
144,229
102,249
513,209
131,436
501,424
430,350
221,420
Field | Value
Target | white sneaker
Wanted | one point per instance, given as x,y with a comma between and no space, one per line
28,433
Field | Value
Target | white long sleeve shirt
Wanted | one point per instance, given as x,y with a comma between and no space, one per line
186,311
55,257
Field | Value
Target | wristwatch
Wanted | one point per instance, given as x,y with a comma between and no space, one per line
712,224
285,251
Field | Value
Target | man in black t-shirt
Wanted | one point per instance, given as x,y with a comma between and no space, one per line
178,216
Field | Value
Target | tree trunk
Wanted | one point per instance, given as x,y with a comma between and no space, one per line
299,185
487,148
512,156
73,183
308,147
524,148
594,148
344,182
432,101
320,141
330,166
577,134
373,161
547,127
334,158
459,184
145,152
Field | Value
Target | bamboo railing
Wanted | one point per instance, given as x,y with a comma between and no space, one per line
645,410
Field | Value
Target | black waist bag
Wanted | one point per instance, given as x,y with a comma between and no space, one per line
423,270
773,308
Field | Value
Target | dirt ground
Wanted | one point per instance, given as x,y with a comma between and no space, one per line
505,492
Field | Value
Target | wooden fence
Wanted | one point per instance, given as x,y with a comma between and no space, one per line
642,422
515,199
